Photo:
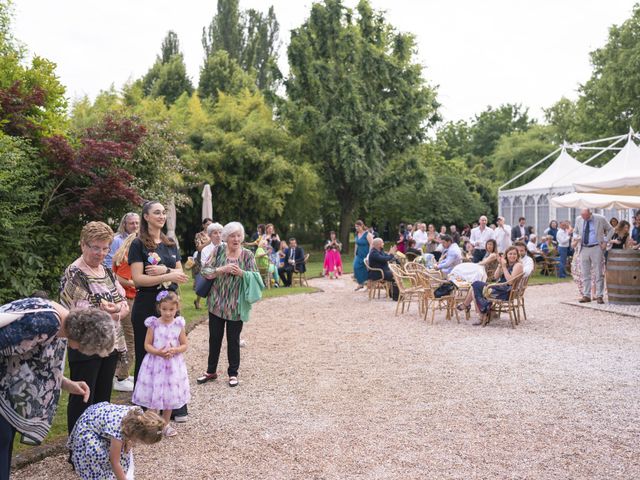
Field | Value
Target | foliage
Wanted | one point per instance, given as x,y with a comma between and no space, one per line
167,78
250,38
384,104
20,265
609,101
222,73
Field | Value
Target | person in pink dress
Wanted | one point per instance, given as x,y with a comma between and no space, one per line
163,383
332,259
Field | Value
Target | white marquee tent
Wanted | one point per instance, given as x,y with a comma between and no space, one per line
532,200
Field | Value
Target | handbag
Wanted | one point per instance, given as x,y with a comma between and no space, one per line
444,290
203,285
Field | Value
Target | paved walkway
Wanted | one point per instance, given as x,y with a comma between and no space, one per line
334,386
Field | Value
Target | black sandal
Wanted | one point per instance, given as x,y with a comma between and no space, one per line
461,307
207,377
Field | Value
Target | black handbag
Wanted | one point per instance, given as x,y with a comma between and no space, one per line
203,285
444,290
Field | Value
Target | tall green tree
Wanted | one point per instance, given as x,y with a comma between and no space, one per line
609,101
222,73
168,77
250,38
356,97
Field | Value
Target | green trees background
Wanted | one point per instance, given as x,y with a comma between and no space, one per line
352,131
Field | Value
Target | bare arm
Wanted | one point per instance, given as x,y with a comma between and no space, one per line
115,449
142,279
124,282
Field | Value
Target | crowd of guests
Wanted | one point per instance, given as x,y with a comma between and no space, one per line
499,252
119,313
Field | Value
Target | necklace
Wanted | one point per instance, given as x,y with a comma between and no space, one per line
91,269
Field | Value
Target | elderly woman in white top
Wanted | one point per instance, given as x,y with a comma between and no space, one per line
214,231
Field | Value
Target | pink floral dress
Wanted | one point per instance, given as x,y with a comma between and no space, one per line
163,383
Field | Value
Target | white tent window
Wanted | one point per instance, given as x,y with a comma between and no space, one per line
563,213
517,210
543,213
530,211
506,210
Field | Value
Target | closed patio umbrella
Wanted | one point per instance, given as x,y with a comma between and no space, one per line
171,221
207,202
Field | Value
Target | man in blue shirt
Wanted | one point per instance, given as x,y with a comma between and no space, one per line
592,232
451,255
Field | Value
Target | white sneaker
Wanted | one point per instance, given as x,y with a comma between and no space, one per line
180,418
243,343
125,385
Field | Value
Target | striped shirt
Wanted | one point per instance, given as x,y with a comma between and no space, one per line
225,292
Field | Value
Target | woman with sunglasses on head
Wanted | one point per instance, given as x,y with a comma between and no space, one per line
88,283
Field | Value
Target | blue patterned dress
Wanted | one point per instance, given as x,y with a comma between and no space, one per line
31,367
362,250
90,441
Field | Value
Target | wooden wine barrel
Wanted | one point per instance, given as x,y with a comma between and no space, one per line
623,277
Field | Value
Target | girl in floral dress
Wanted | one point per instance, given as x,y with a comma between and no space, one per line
163,383
103,436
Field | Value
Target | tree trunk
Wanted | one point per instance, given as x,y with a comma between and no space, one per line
346,221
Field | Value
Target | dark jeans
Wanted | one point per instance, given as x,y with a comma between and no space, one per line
98,372
7,434
478,255
216,332
564,252
144,306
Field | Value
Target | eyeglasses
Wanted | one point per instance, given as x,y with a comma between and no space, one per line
97,250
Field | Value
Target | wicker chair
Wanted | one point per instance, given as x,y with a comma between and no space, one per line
409,292
376,286
300,276
524,283
550,265
430,283
510,305
266,276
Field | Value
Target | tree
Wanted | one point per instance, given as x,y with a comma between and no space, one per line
356,99
221,73
168,77
609,101
492,123
250,38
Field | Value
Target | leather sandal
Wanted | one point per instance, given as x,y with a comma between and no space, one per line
207,377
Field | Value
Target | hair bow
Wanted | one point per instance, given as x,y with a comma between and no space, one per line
162,295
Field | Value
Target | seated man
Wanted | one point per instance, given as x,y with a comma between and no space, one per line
379,259
293,260
527,262
533,248
451,255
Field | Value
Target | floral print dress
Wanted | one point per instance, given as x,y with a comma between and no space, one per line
90,441
31,367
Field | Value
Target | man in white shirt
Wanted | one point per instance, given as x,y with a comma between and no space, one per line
502,235
528,264
451,255
479,237
420,236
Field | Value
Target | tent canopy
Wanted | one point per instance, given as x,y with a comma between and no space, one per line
560,174
596,200
620,176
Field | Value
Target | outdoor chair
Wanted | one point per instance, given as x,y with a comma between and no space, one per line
377,286
524,283
300,276
510,305
266,276
407,289
411,257
411,268
430,284
550,265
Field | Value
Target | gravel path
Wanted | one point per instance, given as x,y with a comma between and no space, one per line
333,386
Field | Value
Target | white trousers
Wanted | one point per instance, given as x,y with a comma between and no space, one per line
592,258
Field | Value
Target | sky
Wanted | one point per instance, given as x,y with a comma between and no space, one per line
477,52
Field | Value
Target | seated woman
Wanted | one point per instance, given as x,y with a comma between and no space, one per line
281,254
509,268
533,249
332,259
621,238
467,251
264,263
491,258
412,252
